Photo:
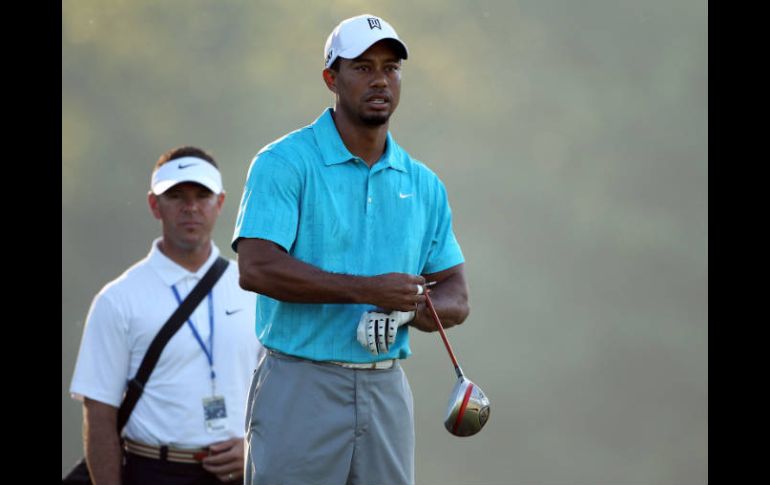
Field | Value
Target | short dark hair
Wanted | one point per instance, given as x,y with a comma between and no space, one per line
335,65
185,151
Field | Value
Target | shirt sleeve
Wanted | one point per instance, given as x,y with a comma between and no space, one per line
269,207
101,370
444,249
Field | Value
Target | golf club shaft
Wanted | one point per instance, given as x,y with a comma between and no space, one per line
440,327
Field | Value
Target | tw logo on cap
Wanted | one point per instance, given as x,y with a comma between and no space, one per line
374,23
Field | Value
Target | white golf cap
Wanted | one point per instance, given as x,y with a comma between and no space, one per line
186,169
354,35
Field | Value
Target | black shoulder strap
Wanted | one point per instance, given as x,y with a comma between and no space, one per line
174,323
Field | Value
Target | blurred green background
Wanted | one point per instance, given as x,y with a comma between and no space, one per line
572,138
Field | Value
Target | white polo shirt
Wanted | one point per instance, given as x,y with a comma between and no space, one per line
124,318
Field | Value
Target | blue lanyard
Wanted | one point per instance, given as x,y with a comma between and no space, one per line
210,350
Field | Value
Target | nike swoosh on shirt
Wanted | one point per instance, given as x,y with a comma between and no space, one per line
404,196
182,167
230,312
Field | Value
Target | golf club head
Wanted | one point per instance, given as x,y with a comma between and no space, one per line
468,409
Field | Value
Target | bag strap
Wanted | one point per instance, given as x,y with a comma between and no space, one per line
174,323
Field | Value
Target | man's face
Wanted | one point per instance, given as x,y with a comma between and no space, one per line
188,212
369,87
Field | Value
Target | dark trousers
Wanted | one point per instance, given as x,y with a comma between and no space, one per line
139,470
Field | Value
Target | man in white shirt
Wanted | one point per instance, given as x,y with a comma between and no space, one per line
188,425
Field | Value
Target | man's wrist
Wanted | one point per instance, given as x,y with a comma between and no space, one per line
360,289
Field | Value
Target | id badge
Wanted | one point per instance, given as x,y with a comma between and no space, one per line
214,413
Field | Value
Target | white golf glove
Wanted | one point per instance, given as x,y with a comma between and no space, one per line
377,331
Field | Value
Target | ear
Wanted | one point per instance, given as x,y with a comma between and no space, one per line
220,201
330,78
152,201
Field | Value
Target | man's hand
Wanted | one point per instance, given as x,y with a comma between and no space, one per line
395,291
377,331
423,321
226,461
449,297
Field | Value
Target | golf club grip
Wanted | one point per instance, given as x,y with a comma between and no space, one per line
441,332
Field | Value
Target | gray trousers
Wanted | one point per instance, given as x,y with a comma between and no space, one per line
312,423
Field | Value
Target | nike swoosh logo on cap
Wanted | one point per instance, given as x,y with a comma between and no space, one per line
230,312
181,167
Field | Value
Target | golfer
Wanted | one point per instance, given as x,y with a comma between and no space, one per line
338,230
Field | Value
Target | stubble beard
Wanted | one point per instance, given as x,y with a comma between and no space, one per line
374,119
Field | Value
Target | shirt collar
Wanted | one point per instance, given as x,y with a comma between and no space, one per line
171,272
334,151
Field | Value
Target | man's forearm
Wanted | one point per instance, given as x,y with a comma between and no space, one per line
102,443
451,312
450,299
283,277
267,269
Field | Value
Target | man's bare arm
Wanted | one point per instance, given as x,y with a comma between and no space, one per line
450,298
101,442
268,269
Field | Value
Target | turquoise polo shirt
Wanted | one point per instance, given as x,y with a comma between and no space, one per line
307,193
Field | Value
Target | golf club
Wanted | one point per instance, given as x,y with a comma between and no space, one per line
468,407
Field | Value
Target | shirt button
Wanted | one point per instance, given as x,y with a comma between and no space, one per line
369,200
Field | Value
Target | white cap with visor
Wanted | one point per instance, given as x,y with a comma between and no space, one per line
354,35
186,169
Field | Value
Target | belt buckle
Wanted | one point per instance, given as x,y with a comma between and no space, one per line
199,456
383,364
